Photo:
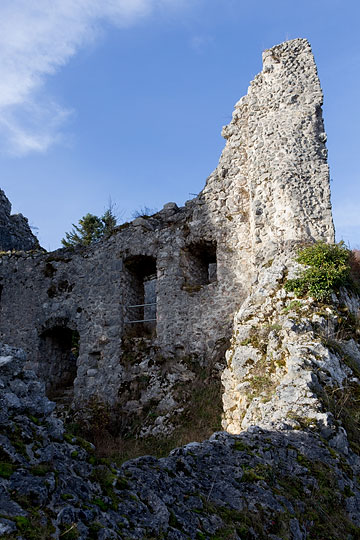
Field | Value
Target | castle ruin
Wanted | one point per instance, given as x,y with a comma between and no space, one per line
142,320
164,289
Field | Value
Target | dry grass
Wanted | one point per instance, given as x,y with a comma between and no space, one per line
355,265
201,417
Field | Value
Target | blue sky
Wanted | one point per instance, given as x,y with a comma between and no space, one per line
126,99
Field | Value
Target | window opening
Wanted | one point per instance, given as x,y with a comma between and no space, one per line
140,296
201,264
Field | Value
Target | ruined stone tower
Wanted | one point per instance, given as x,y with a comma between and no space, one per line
274,167
126,320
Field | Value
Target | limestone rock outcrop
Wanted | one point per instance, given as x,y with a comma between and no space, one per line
262,484
293,362
15,233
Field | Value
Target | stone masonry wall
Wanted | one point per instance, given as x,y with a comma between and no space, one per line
269,192
273,172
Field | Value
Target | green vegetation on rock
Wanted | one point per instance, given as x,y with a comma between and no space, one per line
327,269
6,470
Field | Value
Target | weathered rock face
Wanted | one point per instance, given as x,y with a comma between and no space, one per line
293,362
263,484
78,312
15,233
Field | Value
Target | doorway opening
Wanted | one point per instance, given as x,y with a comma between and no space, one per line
59,350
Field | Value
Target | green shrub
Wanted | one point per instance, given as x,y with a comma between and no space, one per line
34,527
90,229
101,504
94,528
327,269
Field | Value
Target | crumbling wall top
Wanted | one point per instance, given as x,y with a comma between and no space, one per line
274,166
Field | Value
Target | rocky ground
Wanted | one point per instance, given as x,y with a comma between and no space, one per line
260,484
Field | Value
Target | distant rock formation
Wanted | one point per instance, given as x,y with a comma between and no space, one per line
15,233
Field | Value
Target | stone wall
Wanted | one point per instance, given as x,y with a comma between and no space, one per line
51,300
273,175
269,192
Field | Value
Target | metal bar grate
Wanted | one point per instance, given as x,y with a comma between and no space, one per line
139,306
142,305
141,320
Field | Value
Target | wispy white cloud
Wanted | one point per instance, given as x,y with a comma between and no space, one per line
37,38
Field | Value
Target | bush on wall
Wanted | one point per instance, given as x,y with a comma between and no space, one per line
327,269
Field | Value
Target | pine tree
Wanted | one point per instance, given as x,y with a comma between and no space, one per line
90,229
109,221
